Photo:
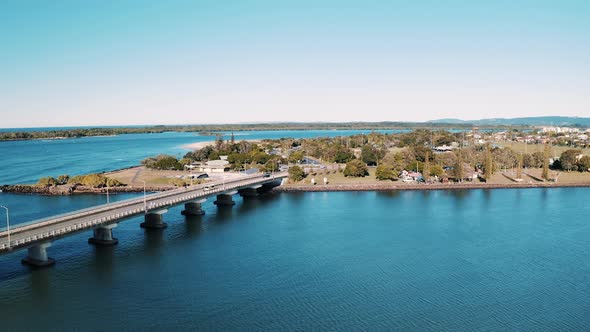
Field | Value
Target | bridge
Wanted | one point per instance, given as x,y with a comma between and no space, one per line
36,236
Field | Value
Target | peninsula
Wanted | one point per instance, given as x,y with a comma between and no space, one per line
418,160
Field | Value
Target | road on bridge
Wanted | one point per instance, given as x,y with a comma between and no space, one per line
52,228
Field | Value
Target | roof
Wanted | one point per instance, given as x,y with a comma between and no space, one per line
217,163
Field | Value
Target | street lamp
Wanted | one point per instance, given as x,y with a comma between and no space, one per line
7,224
108,201
144,198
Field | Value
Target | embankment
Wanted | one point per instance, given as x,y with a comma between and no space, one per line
400,186
75,189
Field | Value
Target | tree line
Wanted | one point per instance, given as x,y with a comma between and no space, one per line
390,154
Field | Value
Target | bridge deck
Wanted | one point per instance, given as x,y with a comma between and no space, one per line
49,229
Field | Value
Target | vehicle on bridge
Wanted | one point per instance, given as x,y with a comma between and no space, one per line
209,187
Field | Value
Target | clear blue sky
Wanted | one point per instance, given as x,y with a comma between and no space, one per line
163,62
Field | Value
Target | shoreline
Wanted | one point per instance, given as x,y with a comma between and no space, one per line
200,145
67,190
57,191
422,187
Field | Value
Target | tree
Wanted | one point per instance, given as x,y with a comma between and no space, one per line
584,164
385,172
369,155
458,171
259,157
271,166
569,159
546,156
296,157
218,141
201,154
519,167
488,164
437,170
504,158
185,161
296,173
538,159
163,162
527,160
356,168
166,162
415,165
421,153
343,156
238,159
426,168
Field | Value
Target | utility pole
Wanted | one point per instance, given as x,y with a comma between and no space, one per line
7,224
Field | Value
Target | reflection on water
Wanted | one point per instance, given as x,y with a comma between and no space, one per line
104,261
193,226
154,241
389,193
40,282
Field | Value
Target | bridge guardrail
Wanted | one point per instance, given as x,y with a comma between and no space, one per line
109,207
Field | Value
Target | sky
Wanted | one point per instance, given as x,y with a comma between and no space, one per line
74,63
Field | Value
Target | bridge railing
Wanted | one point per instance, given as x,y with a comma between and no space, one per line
232,184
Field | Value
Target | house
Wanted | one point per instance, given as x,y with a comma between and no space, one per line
443,149
216,166
212,166
411,176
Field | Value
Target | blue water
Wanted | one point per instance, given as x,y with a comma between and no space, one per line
411,261
27,161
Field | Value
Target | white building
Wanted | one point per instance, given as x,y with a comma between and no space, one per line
212,166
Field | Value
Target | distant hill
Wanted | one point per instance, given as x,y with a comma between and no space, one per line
561,121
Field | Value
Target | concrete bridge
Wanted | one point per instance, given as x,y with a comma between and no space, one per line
37,235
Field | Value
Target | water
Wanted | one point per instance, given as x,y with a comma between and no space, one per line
423,261
27,161
412,261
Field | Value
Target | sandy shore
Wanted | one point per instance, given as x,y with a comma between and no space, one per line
200,145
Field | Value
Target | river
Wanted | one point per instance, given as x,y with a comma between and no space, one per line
510,259
27,161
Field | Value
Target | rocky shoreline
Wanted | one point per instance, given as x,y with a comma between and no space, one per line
399,187
75,189
395,186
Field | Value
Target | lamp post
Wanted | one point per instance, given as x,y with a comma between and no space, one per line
7,224
144,198
108,200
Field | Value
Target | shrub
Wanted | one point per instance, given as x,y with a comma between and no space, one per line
356,168
47,181
385,172
296,173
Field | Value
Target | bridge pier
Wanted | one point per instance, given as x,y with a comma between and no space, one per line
37,256
154,220
194,208
226,199
250,192
103,236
